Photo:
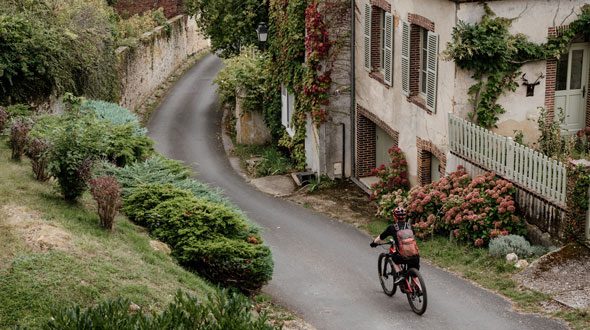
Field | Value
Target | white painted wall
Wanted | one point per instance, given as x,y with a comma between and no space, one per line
389,104
409,120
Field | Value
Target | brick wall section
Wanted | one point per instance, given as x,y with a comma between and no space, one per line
127,8
365,144
375,38
425,150
421,21
381,4
550,83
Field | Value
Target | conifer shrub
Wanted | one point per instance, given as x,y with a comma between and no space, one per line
125,146
503,245
107,194
222,310
160,170
115,115
214,240
146,197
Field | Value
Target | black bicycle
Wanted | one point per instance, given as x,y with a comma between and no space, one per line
412,284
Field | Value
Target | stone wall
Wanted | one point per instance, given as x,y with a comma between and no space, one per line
159,53
127,8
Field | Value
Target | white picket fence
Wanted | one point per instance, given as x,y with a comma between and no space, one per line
524,166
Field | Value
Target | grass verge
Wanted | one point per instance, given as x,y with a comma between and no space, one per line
91,266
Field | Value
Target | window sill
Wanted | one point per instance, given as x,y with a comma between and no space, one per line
379,77
420,102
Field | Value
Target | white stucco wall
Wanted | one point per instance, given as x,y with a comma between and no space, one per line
389,104
534,19
145,67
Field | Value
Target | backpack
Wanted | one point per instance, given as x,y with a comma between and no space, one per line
407,248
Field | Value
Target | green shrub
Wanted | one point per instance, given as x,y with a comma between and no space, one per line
145,198
273,163
114,114
48,48
223,310
4,119
245,73
18,137
213,240
19,110
501,246
74,146
160,170
125,147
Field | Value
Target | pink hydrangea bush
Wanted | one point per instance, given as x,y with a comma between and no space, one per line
392,177
472,210
487,211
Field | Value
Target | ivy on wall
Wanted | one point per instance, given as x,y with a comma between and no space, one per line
302,55
577,202
495,57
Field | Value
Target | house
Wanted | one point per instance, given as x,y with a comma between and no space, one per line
405,91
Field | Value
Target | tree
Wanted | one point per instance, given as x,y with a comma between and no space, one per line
230,24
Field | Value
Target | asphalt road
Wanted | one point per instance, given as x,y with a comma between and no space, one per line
325,270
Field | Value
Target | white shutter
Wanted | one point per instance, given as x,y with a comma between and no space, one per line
388,53
406,58
284,107
431,73
367,37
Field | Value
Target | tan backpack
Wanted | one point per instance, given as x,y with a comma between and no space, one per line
407,248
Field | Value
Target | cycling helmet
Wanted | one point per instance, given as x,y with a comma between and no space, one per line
399,213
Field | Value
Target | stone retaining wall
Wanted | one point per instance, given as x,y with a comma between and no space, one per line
159,53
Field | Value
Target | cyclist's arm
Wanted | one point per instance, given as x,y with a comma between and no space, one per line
390,231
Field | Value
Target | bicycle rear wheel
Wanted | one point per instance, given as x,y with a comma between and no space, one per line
417,297
386,274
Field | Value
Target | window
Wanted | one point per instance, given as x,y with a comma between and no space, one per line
287,108
378,41
419,61
423,60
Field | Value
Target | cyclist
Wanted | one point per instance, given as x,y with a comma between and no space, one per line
399,216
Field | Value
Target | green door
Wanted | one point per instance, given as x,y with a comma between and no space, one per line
571,90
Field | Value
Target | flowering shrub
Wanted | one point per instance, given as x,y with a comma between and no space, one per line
106,191
4,116
36,150
472,210
392,177
18,137
487,211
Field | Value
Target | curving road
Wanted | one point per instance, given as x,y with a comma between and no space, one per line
324,270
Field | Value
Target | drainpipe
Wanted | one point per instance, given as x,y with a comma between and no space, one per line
352,92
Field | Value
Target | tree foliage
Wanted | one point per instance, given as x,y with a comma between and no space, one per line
230,24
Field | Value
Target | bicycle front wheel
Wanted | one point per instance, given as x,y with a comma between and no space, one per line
417,297
386,274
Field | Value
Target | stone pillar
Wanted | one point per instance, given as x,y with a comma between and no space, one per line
578,183
250,126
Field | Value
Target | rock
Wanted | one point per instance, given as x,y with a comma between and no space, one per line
511,258
522,264
159,246
133,307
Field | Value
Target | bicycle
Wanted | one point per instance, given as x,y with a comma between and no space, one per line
412,285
